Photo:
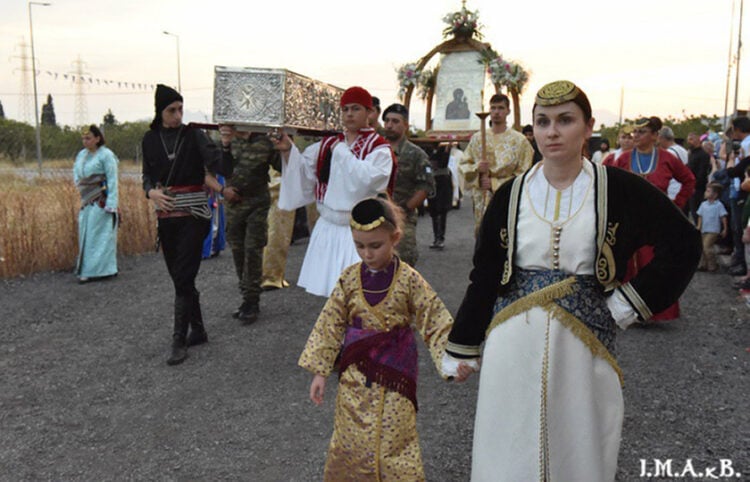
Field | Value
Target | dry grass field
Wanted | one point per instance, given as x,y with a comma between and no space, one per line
39,223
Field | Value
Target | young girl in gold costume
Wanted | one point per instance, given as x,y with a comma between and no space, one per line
367,324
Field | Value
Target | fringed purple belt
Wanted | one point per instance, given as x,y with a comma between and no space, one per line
388,358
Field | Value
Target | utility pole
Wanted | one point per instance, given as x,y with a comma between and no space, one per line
36,101
737,70
729,69
179,74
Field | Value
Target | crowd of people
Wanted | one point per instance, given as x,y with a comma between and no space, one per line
567,250
708,179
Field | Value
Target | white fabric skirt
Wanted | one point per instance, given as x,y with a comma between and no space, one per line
331,249
579,432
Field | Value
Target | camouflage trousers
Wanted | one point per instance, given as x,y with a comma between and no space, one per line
247,233
407,247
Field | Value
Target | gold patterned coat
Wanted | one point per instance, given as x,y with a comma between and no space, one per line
375,434
509,154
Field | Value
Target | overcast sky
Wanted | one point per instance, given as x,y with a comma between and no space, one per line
669,56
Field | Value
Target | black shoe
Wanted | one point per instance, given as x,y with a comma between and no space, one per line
197,338
249,313
435,245
179,352
737,270
439,245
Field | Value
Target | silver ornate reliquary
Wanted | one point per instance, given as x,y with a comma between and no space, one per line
264,99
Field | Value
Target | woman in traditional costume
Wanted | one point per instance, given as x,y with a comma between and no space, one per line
546,295
624,144
367,325
175,160
658,166
95,175
335,173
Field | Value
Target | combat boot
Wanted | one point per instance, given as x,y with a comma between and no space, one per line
249,313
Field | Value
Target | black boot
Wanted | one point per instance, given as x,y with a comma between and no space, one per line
198,333
179,351
435,232
439,229
179,337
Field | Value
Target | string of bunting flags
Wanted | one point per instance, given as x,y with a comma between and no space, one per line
93,80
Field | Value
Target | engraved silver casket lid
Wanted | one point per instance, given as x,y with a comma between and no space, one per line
264,99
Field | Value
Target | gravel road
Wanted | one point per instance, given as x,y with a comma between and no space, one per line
86,395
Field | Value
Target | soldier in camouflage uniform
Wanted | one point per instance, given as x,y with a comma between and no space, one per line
413,179
247,204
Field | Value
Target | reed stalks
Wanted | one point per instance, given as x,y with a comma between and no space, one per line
39,223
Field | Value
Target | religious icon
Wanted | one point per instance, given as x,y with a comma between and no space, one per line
458,108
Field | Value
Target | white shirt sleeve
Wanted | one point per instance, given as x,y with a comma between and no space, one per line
622,312
449,365
298,178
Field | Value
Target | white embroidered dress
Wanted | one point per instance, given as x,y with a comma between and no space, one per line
532,360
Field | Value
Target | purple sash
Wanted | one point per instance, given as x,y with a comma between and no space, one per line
388,358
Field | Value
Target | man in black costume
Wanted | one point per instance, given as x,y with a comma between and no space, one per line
175,159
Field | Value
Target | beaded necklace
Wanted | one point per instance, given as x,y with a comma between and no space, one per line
639,165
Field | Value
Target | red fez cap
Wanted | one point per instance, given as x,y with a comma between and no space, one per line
356,95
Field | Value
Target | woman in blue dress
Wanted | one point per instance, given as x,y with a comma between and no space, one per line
95,175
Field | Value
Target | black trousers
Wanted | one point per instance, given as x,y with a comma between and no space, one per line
182,244
438,225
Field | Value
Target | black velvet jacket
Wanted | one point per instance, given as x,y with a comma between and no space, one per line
195,154
630,213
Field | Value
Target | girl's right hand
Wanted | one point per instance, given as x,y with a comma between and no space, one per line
317,388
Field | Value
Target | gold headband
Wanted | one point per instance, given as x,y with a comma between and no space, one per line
367,227
86,131
556,93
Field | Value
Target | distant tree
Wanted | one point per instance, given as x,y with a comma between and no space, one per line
109,119
48,113
16,138
2,112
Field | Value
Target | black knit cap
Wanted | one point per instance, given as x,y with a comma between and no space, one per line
396,109
164,96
